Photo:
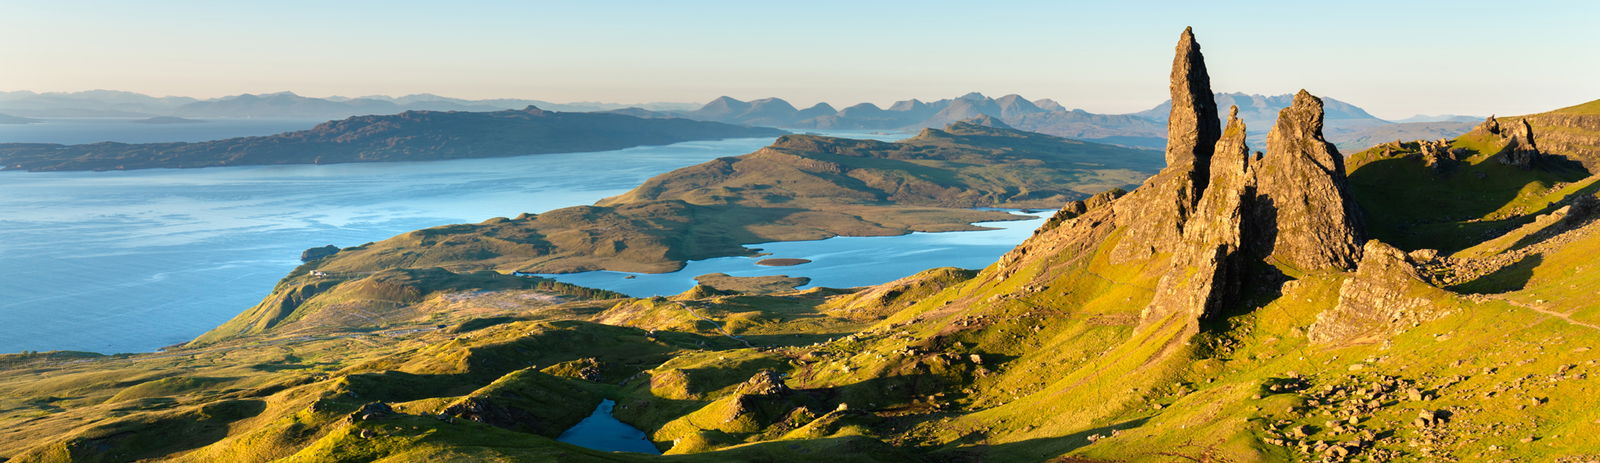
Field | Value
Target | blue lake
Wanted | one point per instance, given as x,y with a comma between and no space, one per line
134,261
601,431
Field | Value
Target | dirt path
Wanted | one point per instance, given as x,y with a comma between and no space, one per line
1564,317
714,323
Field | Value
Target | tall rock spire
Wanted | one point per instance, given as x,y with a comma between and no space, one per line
1192,128
1207,264
1155,213
1306,217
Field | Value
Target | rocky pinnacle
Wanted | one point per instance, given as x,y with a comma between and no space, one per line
1305,215
1206,265
1155,213
1192,128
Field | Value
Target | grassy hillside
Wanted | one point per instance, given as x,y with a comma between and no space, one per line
1454,205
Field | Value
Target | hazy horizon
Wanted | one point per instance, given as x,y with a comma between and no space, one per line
1395,59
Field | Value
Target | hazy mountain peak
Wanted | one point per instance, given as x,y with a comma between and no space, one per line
1049,105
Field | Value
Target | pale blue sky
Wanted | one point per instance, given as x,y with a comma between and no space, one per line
1395,58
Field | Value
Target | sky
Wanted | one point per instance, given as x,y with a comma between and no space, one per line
1394,58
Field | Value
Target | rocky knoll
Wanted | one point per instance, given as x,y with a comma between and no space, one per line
1518,148
1386,294
1572,131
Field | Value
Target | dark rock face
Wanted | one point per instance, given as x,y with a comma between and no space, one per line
1206,267
1383,297
1304,214
1215,206
1519,149
1155,214
318,253
1191,125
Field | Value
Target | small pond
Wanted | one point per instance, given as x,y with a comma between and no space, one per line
600,431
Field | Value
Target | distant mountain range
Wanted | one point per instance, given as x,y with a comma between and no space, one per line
111,103
1347,125
408,136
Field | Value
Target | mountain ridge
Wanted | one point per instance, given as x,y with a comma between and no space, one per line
410,136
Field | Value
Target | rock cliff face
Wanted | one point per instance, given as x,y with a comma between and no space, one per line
1383,297
1154,215
1304,214
1191,125
1215,206
1206,268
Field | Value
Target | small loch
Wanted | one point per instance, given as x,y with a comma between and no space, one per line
601,431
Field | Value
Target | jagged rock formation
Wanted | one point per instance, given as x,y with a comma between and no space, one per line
1519,148
1305,216
1385,295
1206,267
1073,209
1156,214
1191,128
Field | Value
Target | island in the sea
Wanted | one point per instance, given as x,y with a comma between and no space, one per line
10,119
168,120
408,136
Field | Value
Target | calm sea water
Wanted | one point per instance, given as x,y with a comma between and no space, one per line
838,262
133,261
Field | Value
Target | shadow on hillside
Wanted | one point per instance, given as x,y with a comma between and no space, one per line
1509,278
1039,449
1411,206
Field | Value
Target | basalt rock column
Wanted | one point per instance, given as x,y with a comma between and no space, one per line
1153,216
1205,269
1304,214
1192,129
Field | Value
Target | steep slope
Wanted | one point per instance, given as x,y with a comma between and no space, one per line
409,136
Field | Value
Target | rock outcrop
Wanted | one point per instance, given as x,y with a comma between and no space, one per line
1518,148
1386,294
1155,213
1206,268
317,253
1304,215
